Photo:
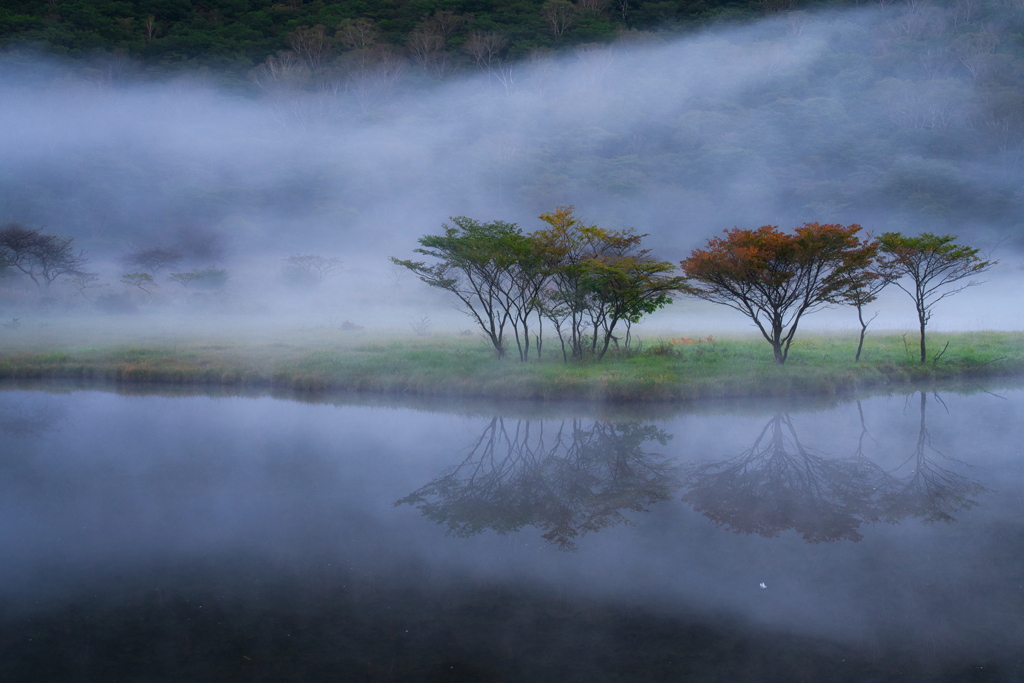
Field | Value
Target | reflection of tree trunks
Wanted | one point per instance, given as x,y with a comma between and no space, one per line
579,478
574,477
929,492
779,484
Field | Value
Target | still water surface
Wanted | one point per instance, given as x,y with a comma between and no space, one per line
199,538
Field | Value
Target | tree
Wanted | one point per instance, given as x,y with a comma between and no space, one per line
935,266
866,291
599,278
84,281
140,280
485,47
776,278
559,15
314,48
312,268
152,259
43,258
184,279
478,263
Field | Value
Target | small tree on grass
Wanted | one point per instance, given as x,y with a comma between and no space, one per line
477,263
866,291
600,278
929,268
84,281
585,279
775,278
139,280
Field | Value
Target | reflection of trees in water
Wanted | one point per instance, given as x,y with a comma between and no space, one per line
929,492
567,478
578,476
26,419
779,484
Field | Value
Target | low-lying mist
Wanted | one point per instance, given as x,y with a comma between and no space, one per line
906,118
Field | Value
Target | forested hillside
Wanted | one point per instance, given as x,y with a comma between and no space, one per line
356,129
235,35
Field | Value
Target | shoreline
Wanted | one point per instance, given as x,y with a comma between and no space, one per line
660,370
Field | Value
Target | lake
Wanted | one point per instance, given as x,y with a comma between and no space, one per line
223,538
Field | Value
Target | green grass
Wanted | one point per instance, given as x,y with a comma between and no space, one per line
660,370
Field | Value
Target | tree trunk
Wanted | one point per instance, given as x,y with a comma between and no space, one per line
863,331
780,357
924,355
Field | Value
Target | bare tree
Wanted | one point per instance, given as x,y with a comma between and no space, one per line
485,47
962,12
357,35
282,72
152,28
447,22
314,48
559,15
428,50
373,72
974,50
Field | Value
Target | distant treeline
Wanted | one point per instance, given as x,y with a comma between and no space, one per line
236,35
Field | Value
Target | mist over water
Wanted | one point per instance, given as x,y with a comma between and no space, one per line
261,527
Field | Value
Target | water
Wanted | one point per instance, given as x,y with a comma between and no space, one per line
253,538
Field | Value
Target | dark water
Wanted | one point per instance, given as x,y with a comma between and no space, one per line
155,538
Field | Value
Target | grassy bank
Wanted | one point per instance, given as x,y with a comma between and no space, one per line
661,370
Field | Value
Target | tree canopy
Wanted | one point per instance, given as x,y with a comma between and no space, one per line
929,268
43,258
775,278
584,279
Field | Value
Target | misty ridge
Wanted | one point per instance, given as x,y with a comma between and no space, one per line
907,117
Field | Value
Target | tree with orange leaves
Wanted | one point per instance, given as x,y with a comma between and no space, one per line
775,278
600,279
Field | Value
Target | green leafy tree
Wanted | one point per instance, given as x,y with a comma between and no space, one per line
600,278
775,278
482,264
139,280
929,268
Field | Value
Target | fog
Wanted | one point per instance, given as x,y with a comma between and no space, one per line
873,116
99,486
